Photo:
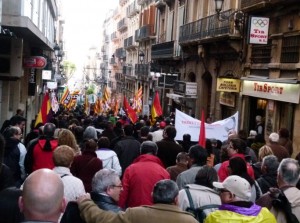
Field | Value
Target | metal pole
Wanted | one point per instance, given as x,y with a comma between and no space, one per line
163,94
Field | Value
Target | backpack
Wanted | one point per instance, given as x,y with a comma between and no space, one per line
199,212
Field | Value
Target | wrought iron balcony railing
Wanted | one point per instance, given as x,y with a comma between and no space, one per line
162,50
144,33
132,9
122,24
142,70
208,27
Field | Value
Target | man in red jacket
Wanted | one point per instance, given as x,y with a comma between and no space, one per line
141,176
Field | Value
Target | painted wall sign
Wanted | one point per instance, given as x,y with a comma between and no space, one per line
274,91
37,62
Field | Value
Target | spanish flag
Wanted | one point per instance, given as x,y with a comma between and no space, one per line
44,111
156,110
129,111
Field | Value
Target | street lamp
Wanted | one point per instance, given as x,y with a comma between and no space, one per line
238,15
141,56
56,49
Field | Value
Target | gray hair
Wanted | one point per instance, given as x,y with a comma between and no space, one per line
165,192
90,133
103,179
271,162
289,171
148,147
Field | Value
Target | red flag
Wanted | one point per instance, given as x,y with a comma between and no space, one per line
202,138
129,111
156,110
44,111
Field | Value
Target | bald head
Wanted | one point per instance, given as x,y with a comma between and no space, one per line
43,196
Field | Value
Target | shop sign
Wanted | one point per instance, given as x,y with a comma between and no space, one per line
191,89
37,62
228,85
259,30
227,98
274,91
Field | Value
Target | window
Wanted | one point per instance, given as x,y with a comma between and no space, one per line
290,49
261,53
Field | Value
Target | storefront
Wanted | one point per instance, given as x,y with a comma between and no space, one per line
229,89
276,100
183,97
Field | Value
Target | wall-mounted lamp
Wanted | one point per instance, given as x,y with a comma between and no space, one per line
238,16
141,56
56,49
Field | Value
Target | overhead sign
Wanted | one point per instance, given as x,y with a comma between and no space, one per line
228,85
259,30
274,91
37,62
218,130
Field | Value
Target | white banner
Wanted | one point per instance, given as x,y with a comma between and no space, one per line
219,130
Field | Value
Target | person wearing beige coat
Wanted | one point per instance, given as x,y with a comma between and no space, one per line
165,209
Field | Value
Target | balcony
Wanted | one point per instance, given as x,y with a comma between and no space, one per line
103,48
251,5
206,28
162,50
102,66
169,2
144,33
127,70
132,10
141,2
114,36
105,57
120,53
142,70
129,43
122,24
160,4
112,61
106,38
122,2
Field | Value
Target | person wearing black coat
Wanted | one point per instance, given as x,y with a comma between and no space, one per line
268,178
106,189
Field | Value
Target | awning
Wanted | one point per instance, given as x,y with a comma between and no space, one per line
267,79
174,96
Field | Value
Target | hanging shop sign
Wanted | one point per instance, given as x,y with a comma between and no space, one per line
227,98
37,62
228,85
259,30
274,91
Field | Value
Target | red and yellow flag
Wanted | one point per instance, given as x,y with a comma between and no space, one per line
66,97
86,105
137,101
98,106
44,110
156,110
129,111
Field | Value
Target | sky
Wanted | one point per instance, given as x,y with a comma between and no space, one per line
83,27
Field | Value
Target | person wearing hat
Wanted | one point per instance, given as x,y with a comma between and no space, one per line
158,134
235,193
278,150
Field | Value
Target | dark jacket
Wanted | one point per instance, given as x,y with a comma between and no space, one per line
105,202
6,177
127,149
72,213
167,151
85,166
12,158
267,181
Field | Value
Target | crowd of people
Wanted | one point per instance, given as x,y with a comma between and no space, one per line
105,169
